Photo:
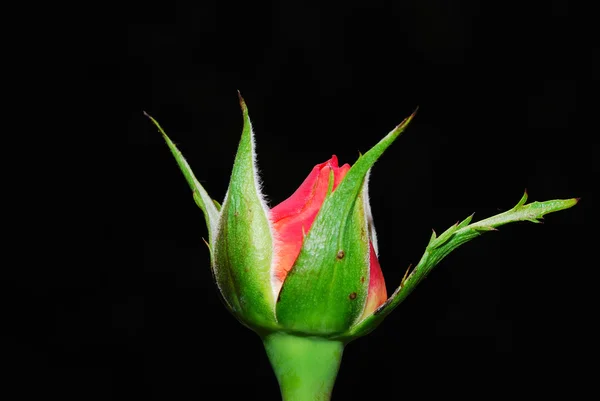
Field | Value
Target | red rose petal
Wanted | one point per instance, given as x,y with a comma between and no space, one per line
293,217
377,292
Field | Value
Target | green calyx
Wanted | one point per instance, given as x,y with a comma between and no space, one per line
326,290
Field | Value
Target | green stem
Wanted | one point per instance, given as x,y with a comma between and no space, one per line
306,367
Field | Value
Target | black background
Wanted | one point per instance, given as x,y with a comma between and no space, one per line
505,104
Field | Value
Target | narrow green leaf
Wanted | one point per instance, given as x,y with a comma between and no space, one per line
433,237
244,246
444,237
323,293
522,200
465,222
201,197
436,252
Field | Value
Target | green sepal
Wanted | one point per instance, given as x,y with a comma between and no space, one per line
438,248
201,197
244,246
326,289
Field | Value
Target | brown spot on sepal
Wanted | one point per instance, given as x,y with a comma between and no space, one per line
362,279
352,296
340,254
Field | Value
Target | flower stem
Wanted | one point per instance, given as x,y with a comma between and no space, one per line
306,367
